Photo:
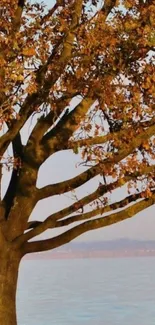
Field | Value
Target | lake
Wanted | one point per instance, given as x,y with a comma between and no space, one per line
87,292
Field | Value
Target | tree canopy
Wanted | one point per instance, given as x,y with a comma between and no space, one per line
85,69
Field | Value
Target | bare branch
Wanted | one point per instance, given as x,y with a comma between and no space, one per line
47,244
90,214
69,185
51,220
66,186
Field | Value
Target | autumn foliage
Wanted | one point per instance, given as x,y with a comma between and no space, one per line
85,70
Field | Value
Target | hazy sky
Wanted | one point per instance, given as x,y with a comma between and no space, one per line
62,166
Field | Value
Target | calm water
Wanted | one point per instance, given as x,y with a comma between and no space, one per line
87,291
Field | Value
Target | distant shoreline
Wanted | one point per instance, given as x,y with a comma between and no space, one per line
91,254
119,248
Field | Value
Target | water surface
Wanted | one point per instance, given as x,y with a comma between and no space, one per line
87,292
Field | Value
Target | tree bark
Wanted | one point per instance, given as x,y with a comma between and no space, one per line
9,265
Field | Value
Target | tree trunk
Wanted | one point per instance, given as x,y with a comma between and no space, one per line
9,265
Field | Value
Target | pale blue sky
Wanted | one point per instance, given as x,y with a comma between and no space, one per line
63,166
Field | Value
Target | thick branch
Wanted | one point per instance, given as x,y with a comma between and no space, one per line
47,244
2,205
66,53
34,152
66,186
73,183
51,220
90,214
45,123
108,6
120,134
59,136
17,18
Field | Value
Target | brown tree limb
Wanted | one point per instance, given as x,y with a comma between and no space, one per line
90,214
51,220
45,123
11,190
16,23
136,142
34,152
58,137
108,6
2,204
120,134
47,244
66,186
73,183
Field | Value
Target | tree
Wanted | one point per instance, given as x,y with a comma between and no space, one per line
84,71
